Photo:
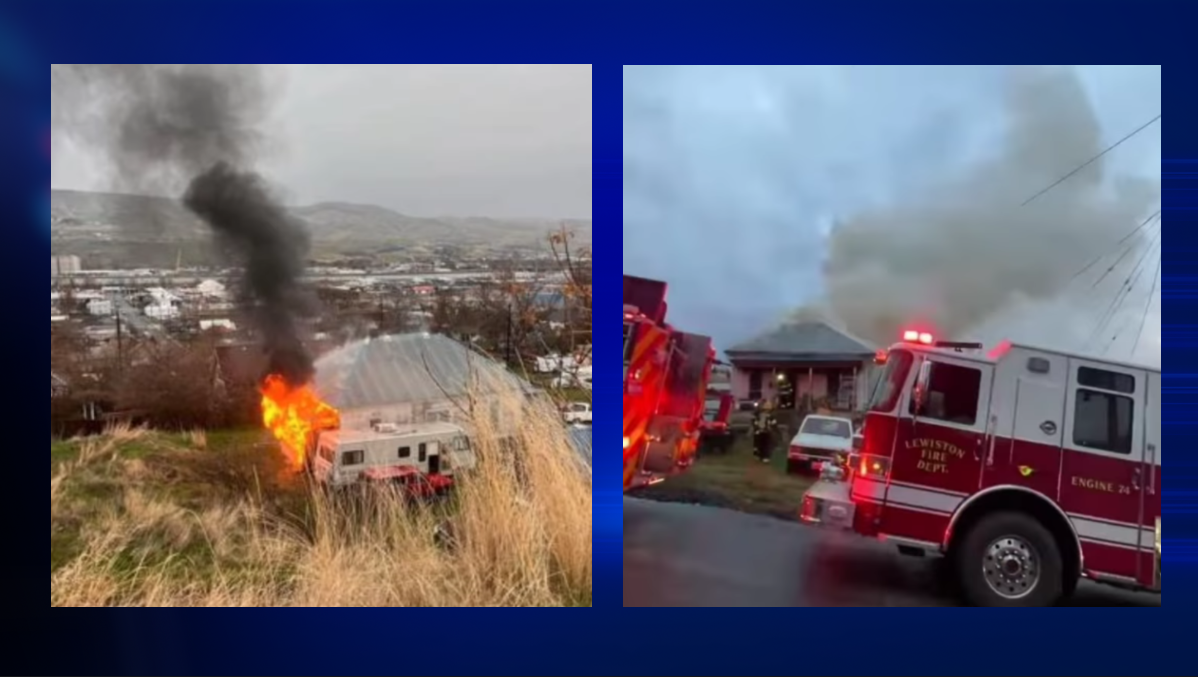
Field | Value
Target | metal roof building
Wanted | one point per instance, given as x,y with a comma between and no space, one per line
410,378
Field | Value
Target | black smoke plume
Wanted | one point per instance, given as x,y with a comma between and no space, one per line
161,127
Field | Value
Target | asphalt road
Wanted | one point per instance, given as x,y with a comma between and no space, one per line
690,556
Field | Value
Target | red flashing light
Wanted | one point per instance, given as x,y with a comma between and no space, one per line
919,337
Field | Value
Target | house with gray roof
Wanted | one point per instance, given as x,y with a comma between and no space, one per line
803,359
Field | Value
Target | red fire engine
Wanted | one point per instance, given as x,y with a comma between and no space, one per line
666,373
1028,469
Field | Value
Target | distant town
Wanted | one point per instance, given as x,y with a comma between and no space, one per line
187,301
528,311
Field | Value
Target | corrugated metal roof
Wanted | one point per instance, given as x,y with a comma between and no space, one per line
405,369
809,339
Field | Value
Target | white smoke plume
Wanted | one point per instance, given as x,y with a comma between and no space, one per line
876,197
966,251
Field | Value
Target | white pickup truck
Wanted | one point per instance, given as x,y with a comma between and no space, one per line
820,439
578,413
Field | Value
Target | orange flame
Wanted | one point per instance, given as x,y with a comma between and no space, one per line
295,415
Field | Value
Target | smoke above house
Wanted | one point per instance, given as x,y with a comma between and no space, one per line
202,126
875,198
967,250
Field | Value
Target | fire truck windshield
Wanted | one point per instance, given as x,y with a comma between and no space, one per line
890,383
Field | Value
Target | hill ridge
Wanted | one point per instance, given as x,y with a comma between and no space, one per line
81,215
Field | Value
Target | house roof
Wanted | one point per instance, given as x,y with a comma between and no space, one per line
811,340
411,368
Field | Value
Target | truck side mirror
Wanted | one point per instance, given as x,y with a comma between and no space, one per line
920,395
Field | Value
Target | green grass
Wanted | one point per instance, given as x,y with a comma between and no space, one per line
737,481
192,471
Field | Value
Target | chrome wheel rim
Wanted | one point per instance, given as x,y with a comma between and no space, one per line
1011,567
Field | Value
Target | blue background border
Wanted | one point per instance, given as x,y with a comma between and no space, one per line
609,34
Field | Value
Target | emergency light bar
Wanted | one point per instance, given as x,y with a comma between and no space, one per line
924,338
959,346
918,337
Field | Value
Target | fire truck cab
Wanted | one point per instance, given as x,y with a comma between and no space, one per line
666,373
423,458
1029,469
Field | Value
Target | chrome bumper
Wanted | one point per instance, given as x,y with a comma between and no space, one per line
1157,578
828,504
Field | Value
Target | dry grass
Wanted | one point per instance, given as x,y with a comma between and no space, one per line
142,519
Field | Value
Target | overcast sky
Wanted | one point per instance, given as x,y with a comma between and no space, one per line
426,140
733,177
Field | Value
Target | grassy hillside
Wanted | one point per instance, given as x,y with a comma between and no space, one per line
139,518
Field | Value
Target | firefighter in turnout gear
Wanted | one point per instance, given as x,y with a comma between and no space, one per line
765,426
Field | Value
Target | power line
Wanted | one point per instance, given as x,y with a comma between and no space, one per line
1127,237
1126,289
1127,294
1114,265
1113,312
1092,160
1147,221
1123,292
1147,306
1128,250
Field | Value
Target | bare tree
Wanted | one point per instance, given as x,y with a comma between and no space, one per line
574,264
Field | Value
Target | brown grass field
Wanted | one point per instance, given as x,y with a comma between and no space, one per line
147,519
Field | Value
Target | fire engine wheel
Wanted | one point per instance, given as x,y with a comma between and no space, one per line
1010,559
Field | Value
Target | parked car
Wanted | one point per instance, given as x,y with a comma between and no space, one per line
821,439
741,420
578,413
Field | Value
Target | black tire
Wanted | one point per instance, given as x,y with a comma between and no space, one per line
1069,586
947,582
796,467
973,556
